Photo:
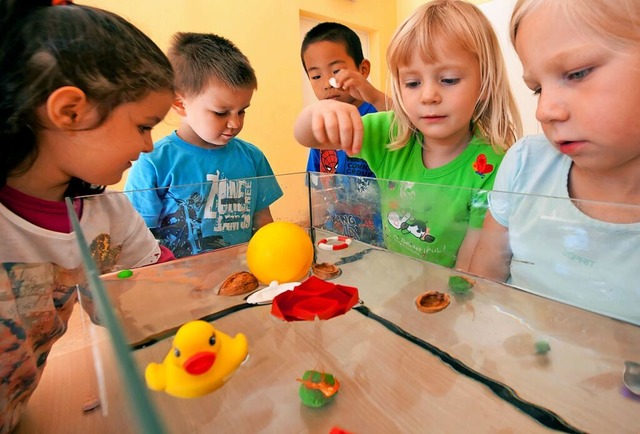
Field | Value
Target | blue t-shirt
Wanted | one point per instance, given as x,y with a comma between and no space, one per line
558,251
207,197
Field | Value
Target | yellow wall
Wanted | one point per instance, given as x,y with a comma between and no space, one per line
268,32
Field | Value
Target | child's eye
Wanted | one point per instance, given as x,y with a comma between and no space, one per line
314,77
220,114
335,71
144,129
450,81
579,75
411,84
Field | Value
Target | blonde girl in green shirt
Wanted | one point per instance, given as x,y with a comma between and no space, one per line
455,117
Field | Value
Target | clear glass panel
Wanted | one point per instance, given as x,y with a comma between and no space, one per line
578,252
188,219
511,358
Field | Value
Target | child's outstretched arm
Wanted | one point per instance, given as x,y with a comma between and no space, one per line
492,255
358,87
261,218
330,124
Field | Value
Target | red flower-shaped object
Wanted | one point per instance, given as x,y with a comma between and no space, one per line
314,297
481,166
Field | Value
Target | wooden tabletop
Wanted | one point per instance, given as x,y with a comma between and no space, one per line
471,367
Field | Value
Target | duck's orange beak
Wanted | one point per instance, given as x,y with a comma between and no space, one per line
199,363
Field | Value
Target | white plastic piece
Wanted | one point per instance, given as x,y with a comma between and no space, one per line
267,294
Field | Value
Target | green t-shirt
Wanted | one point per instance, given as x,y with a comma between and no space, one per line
427,215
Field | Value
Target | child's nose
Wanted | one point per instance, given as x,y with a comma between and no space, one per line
551,108
147,145
233,121
430,94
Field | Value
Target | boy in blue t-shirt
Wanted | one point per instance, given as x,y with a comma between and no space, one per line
215,188
332,57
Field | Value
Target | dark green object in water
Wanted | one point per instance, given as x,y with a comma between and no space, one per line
125,274
318,388
542,347
460,284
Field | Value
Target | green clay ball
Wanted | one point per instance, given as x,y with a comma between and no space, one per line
314,397
460,285
125,274
542,347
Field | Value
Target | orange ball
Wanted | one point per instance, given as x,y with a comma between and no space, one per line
280,251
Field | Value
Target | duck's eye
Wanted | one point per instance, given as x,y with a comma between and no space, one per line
176,352
212,340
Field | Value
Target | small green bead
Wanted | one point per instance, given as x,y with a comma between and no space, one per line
542,347
460,285
125,274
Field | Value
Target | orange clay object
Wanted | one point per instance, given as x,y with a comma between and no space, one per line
327,389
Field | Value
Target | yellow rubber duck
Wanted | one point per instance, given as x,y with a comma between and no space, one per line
201,360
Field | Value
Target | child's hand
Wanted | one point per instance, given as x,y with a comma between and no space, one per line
359,88
330,124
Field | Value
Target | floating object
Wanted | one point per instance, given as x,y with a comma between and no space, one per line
238,283
631,377
314,298
333,83
460,284
432,302
266,295
280,251
325,271
334,243
125,274
200,361
318,388
542,346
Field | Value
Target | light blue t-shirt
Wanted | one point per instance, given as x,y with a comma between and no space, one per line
558,251
209,196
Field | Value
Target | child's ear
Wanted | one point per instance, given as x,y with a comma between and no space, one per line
178,105
365,68
67,108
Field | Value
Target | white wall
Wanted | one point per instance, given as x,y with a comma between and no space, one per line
499,13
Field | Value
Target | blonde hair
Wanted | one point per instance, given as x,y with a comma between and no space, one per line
614,21
496,117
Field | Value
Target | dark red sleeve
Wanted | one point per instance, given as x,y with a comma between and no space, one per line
166,255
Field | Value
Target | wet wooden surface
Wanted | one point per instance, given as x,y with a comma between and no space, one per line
389,383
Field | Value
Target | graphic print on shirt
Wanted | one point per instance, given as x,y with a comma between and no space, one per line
228,206
413,219
201,223
181,231
38,299
328,161
103,253
407,224
353,209
481,167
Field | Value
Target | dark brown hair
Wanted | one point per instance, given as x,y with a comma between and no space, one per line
43,48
